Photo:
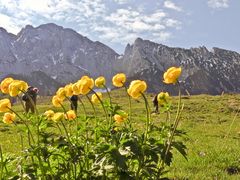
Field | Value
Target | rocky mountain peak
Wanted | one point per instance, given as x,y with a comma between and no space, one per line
51,53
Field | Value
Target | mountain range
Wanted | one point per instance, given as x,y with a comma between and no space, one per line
49,56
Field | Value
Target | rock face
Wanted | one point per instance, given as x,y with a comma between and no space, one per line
49,56
211,72
61,54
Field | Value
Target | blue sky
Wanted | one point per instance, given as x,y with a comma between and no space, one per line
176,23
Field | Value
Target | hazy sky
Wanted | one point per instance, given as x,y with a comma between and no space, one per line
178,23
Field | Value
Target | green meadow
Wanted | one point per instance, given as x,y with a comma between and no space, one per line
211,123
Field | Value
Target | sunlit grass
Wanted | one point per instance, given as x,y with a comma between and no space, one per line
213,147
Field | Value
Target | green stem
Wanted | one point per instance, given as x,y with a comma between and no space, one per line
148,117
129,103
96,122
176,122
84,109
101,103
64,127
22,103
24,124
1,165
130,109
110,99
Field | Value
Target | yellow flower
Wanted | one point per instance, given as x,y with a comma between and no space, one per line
70,115
49,114
5,85
95,99
17,87
119,79
100,81
5,105
61,93
69,90
136,88
172,75
119,118
56,101
163,98
75,88
9,118
58,116
85,85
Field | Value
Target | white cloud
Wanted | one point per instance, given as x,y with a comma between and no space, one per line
121,1
6,21
217,4
171,5
92,18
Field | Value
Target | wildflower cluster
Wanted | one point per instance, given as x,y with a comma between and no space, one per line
66,144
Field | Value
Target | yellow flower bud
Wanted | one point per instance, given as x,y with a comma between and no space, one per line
120,118
95,99
100,81
9,118
49,114
136,88
70,115
119,79
163,98
58,116
56,101
17,87
172,75
85,85
69,90
61,93
5,105
75,88
5,85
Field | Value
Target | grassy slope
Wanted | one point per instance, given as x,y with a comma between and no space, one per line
212,145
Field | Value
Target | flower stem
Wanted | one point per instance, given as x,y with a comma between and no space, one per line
148,117
110,99
130,108
96,122
29,131
22,103
101,103
176,122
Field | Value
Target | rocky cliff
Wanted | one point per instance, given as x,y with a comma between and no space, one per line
204,71
49,56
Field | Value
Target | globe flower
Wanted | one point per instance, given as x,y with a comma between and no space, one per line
75,88
163,98
119,79
68,90
56,101
61,93
4,86
9,118
70,115
172,75
136,88
120,117
5,105
95,99
17,87
100,82
58,116
49,114
85,85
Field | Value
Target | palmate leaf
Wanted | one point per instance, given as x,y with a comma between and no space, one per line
119,159
180,148
167,158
